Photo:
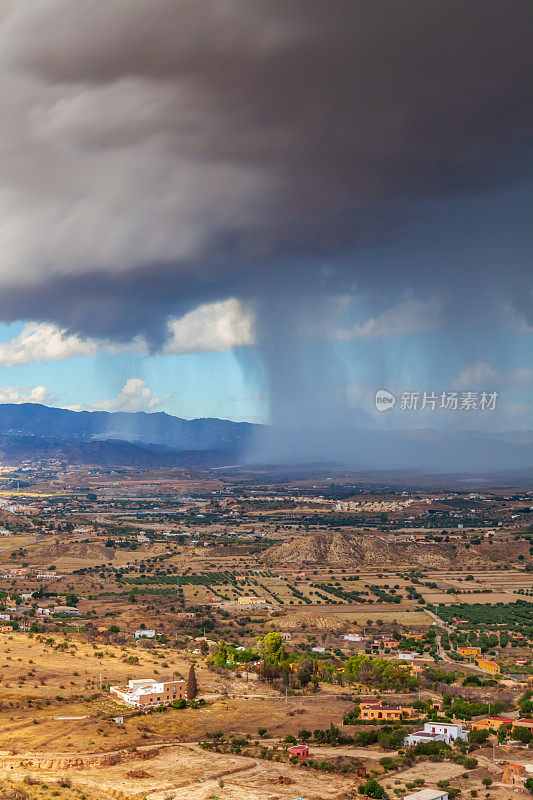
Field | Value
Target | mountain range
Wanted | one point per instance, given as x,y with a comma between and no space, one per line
31,430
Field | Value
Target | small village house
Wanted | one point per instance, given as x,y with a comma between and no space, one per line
469,652
248,600
514,774
141,633
300,751
375,711
487,666
68,610
494,723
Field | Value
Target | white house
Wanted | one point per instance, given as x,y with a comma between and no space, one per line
70,610
144,634
437,732
427,794
352,637
406,656
149,693
422,736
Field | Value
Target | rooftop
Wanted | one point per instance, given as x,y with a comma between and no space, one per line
425,794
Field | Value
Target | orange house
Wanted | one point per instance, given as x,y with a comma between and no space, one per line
487,666
392,643
514,774
469,651
378,712
492,722
523,723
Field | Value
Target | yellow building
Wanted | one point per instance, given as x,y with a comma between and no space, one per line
251,601
469,651
376,711
487,666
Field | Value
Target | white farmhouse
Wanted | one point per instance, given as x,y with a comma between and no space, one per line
437,732
141,633
150,693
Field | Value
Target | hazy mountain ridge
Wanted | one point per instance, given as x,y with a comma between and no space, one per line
150,428
160,439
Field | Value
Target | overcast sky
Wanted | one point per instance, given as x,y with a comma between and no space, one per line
267,210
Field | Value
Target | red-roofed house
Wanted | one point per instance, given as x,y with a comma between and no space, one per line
300,751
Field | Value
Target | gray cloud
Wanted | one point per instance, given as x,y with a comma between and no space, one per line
157,155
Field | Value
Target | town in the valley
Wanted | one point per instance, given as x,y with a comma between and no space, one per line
261,634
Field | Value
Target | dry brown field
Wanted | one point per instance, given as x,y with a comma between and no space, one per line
41,682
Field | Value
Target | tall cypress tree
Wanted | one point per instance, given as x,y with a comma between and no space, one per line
192,686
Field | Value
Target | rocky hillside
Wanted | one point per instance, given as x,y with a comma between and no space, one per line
308,619
91,551
339,549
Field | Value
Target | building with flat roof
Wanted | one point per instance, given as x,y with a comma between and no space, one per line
142,633
427,794
375,711
469,651
248,600
70,610
495,723
437,732
148,693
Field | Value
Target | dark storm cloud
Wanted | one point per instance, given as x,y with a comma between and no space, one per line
159,154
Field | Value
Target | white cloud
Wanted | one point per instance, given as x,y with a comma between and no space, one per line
26,394
410,316
43,342
135,395
212,327
482,376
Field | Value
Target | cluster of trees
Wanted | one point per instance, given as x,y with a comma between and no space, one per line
378,672
384,596
465,709
525,704
483,640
